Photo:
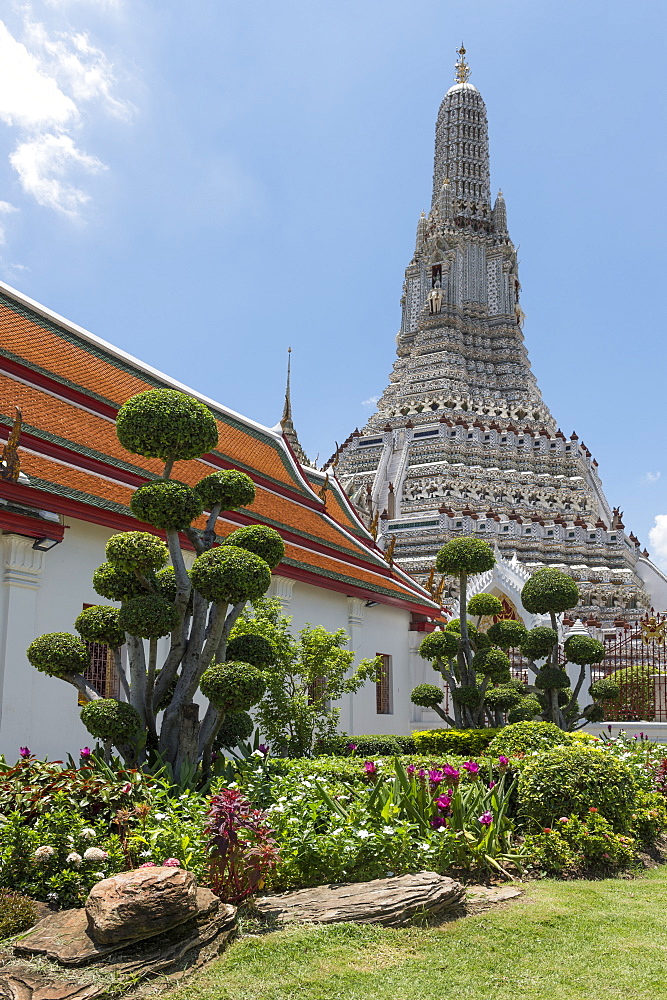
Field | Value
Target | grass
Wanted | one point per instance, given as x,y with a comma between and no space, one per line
563,940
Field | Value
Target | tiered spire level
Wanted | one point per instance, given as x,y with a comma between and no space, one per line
462,442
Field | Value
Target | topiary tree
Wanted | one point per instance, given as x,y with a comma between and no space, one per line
196,610
549,591
474,663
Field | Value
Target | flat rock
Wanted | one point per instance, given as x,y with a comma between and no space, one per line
392,902
18,982
139,904
66,938
493,894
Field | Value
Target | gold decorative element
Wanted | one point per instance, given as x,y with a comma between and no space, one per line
325,487
439,589
389,551
653,632
462,68
430,583
374,525
10,463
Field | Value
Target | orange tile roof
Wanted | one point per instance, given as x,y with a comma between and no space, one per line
73,452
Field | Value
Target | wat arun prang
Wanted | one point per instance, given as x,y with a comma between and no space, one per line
462,442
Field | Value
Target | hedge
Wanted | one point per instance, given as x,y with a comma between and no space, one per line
461,742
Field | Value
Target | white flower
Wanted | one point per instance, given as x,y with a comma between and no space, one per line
99,875
88,833
363,834
387,829
160,816
74,859
44,852
95,854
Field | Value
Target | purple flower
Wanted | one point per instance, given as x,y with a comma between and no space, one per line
438,822
352,747
451,772
263,748
609,728
25,752
435,777
421,773
492,784
411,769
85,753
471,767
486,819
443,802
503,761
370,767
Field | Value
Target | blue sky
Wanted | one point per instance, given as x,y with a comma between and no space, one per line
206,184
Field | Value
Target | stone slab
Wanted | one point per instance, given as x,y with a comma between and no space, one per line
137,904
392,902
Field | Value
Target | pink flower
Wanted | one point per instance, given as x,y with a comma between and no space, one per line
370,767
85,752
564,819
492,784
547,829
486,819
503,761
451,772
471,767
126,789
435,777
411,769
443,802
171,863
593,809
148,864
25,752
438,822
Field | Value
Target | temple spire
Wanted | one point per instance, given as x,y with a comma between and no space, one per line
289,433
461,67
287,408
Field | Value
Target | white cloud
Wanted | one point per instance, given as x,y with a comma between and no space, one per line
5,209
371,401
42,165
29,98
652,477
49,81
657,537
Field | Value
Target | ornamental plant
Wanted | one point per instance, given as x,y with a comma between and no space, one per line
474,663
549,591
193,611
241,844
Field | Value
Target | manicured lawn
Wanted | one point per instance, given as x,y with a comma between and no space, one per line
564,940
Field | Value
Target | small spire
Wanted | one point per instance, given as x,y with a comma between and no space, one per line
462,68
287,409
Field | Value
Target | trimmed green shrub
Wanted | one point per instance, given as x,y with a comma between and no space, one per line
507,634
549,590
365,746
166,581
17,913
493,663
485,605
439,645
465,555
551,677
525,711
166,424
539,642
229,488
116,584
468,694
427,695
149,617
649,816
604,689
136,551
461,742
233,687
99,623
168,504
253,649
571,781
583,649
263,541
58,654
594,713
109,720
502,698
528,737
236,727
455,626
636,699
230,574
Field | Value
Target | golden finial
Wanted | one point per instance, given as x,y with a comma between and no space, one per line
462,68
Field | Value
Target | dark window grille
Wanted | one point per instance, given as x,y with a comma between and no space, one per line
317,689
101,672
383,685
